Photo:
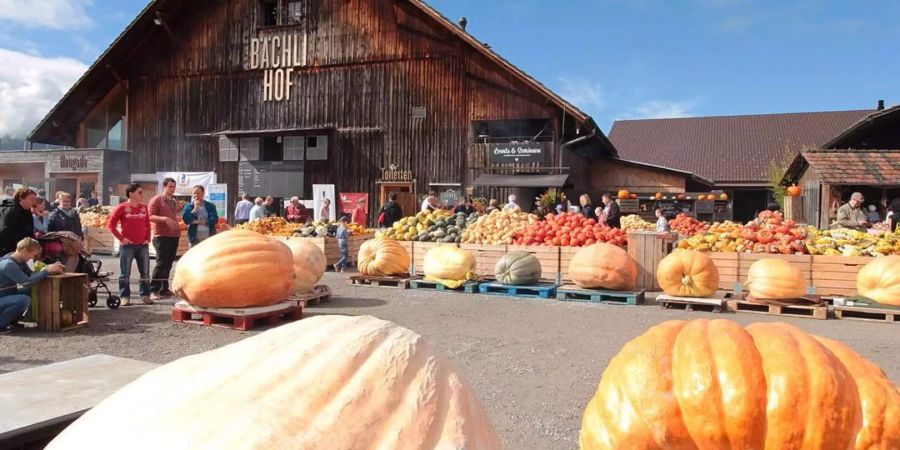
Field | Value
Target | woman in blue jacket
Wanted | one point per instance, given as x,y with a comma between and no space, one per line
200,216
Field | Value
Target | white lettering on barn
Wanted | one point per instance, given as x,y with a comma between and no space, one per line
277,56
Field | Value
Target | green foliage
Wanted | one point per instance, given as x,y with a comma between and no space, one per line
778,168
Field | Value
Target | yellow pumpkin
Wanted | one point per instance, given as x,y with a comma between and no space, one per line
686,273
449,265
235,269
322,383
382,257
715,385
880,280
603,266
309,264
771,278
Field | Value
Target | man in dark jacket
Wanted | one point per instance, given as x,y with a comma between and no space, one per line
613,212
392,211
16,221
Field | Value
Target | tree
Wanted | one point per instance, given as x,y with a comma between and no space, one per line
778,168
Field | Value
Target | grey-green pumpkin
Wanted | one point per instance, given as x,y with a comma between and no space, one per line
518,268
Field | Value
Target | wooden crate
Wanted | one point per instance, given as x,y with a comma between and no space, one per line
419,251
62,302
486,257
546,255
565,257
648,249
728,265
183,246
408,246
836,275
100,241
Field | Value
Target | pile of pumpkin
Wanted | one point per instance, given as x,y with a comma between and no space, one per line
271,226
498,227
327,228
846,242
635,222
438,226
769,233
686,225
94,217
569,230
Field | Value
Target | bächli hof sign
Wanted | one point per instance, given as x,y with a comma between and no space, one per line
276,57
528,152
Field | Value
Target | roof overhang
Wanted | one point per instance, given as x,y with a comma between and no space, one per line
521,181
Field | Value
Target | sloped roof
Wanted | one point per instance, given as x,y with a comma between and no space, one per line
727,149
863,167
865,132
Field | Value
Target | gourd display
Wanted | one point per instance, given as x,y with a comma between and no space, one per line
686,273
715,385
326,382
771,278
603,266
382,258
449,265
309,264
880,280
235,269
518,269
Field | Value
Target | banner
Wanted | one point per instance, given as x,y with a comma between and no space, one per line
185,181
528,152
320,193
217,194
349,200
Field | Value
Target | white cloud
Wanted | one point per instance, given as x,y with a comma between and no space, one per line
30,86
56,14
660,109
581,92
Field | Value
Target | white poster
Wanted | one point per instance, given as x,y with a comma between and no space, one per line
217,194
186,181
321,192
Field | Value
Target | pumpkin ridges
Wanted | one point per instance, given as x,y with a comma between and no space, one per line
382,257
687,273
880,280
605,266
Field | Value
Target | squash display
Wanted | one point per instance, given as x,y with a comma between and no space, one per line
686,273
235,269
449,265
715,385
309,264
880,280
386,388
603,266
518,269
771,278
382,258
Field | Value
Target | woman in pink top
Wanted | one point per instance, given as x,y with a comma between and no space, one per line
130,223
359,213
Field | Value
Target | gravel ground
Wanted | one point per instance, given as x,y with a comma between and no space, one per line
535,364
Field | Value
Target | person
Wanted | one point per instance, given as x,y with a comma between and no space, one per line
134,235
242,210
560,209
269,204
851,215
662,225
874,217
894,209
493,205
464,205
55,204
358,216
391,210
587,210
343,238
430,202
16,221
65,218
14,271
511,204
201,217
612,211
83,204
7,194
165,234
296,212
258,211
94,200
325,211
39,215
601,216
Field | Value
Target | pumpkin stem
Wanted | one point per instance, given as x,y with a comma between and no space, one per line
687,281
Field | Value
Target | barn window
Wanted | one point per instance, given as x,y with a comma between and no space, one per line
294,12
269,13
281,12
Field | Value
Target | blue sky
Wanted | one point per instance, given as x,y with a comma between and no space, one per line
613,58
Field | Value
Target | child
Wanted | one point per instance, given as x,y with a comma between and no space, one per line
662,225
343,238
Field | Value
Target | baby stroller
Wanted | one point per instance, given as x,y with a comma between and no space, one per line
65,247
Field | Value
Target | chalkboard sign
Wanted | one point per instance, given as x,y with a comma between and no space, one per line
528,152
704,207
629,205
276,178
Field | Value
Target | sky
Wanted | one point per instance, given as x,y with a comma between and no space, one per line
615,59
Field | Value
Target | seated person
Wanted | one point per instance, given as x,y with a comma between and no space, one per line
14,271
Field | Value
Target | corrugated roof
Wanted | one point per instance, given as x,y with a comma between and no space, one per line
725,149
864,167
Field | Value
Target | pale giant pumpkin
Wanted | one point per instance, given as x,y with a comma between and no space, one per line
518,269
603,266
715,385
382,257
309,264
771,278
880,280
235,269
322,383
686,273
449,265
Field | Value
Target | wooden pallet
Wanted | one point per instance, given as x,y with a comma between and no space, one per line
574,293
242,319
401,282
320,293
864,310
817,310
715,304
546,291
486,257
470,287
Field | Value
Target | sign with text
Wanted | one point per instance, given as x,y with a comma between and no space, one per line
276,57
185,181
217,194
396,175
530,152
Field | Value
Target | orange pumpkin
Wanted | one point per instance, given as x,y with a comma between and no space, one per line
681,196
383,257
793,191
623,193
632,196
711,197
771,278
235,269
715,385
658,196
309,264
603,266
880,280
686,273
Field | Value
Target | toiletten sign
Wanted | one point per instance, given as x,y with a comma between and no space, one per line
530,152
277,56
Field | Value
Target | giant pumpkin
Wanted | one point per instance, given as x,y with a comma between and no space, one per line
327,382
382,257
449,265
880,280
518,269
771,278
309,264
235,269
715,385
686,273
603,266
